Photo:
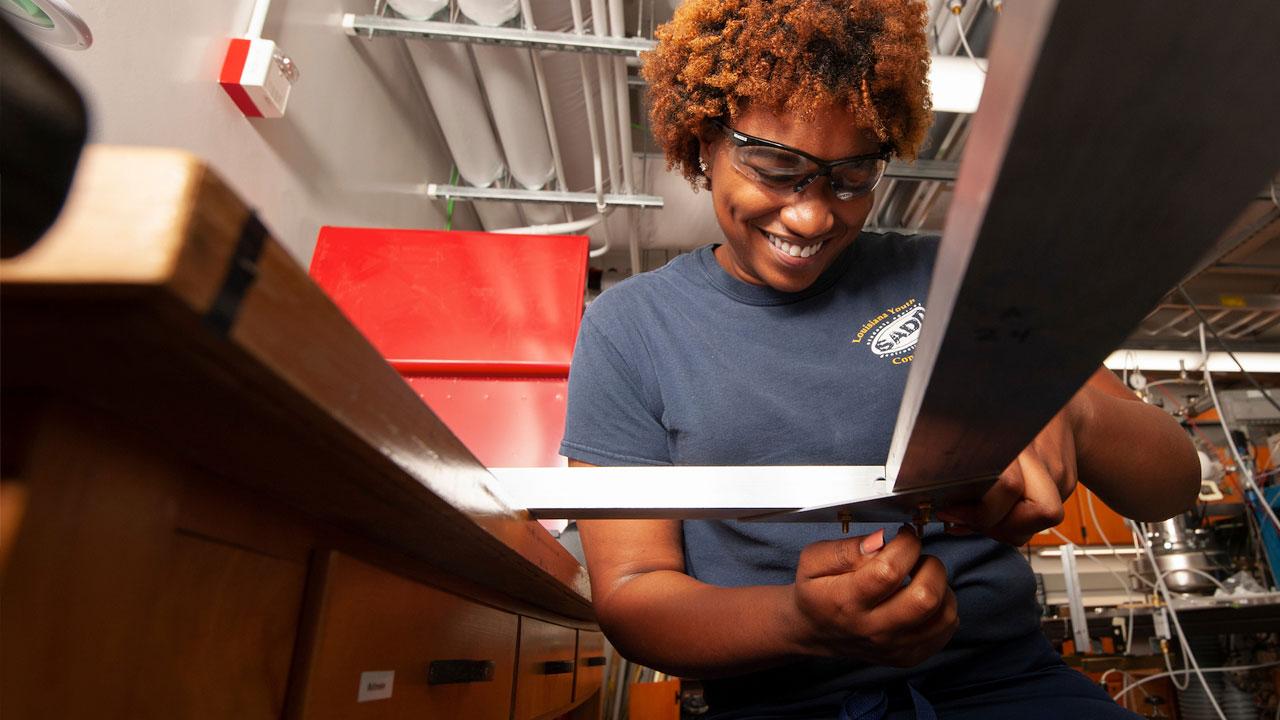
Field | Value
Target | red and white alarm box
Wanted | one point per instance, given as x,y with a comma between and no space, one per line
258,77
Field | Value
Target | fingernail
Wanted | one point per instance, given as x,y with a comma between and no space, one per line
909,529
872,542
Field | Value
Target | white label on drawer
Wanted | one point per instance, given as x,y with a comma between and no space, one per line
375,685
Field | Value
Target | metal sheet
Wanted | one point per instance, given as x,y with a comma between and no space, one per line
1110,150
687,492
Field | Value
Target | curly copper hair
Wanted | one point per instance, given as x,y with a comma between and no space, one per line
717,56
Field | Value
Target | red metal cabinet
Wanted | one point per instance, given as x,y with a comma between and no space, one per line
481,325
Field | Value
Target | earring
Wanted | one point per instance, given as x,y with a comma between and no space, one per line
702,165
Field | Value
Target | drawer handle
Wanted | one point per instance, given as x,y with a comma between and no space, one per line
449,672
594,661
557,667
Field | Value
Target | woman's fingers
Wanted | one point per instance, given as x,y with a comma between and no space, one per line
1040,506
996,502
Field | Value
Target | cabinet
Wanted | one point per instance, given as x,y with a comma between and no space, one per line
591,661
221,502
388,647
545,676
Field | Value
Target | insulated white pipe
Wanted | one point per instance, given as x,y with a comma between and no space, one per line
490,13
622,99
497,215
599,23
535,56
511,87
564,228
451,87
418,9
589,102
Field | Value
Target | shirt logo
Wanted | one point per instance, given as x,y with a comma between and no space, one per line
894,332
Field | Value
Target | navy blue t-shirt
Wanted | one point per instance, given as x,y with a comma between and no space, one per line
687,365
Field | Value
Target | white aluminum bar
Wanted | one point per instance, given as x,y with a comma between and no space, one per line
1075,600
461,192
802,493
373,26
685,491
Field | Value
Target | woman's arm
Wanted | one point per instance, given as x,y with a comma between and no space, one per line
1133,455
849,599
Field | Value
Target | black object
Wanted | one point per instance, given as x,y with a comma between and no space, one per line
557,667
241,272
45,124
451,672
594,661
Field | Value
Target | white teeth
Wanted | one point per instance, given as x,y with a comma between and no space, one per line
794,250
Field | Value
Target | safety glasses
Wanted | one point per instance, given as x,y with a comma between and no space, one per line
779,167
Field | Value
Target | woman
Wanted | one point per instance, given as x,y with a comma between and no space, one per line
765,349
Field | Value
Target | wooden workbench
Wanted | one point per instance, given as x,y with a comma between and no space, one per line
219,501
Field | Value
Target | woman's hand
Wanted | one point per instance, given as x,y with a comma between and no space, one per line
855,600
1028,495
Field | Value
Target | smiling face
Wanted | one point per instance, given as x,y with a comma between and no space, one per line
781,238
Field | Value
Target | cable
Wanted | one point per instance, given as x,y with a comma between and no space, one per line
1243,469
1188,656
956,7
1123,583
1223,344
1157,676
448,206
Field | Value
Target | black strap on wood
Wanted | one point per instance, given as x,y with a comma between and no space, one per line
242,270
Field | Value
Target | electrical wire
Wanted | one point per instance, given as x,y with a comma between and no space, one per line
965,42
1163,591
1097,525
1241,467
1226,348
1123,583
448,206
1157,676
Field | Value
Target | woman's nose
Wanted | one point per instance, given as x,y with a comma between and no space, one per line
809,214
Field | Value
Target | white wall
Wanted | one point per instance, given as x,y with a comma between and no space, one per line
357,135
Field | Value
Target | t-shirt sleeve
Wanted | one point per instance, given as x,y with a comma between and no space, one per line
613,415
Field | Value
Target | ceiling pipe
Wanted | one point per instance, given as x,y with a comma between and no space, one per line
565,228
589,102
622,98
599,23
526,10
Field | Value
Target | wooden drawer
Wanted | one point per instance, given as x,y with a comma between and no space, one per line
544,679
590,664
450,657
654,700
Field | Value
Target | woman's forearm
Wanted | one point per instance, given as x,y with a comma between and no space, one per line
1134,456
673,623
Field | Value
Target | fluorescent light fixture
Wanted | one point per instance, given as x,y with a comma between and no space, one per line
956,83
1174,361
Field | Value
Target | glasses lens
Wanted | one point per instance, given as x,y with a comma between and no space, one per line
772,167
857,178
